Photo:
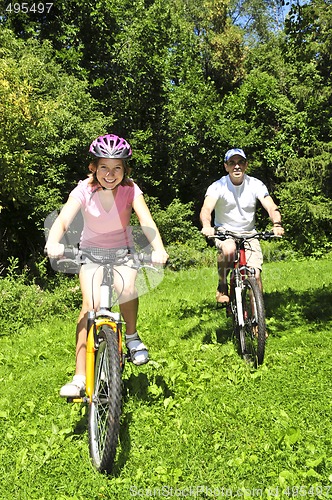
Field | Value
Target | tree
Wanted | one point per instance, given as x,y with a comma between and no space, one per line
182,80
140,60
47,125
307,51
260,19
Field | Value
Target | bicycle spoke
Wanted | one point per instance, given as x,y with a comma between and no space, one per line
246,298
253,333
105,409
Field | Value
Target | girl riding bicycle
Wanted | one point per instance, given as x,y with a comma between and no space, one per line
106,199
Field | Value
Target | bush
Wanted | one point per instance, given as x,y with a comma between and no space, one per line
23,303
307,212
186,255
278,249
175,223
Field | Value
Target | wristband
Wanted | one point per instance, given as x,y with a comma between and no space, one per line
277,224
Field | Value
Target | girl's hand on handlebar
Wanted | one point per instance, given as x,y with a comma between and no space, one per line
55,250
159,257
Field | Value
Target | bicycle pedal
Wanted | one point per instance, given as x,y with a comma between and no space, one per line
127,357
78,400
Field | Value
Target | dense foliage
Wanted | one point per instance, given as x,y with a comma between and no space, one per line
183,81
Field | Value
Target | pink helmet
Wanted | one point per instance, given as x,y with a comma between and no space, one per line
111,146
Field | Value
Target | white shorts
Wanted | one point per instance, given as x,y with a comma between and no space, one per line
253,249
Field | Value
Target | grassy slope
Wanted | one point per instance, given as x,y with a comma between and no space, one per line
196,416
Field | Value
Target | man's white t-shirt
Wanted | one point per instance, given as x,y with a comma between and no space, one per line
236,205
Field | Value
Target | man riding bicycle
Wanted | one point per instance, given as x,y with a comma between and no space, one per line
233,199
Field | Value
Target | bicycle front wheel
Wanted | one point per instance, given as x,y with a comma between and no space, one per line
105,408
253,332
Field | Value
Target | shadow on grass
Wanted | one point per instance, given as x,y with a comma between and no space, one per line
208,314
124,445
81,425
136,386
290,307
284,310
221,335
287,309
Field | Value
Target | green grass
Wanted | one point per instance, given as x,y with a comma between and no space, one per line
197,421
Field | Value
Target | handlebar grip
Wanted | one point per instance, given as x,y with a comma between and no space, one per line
70,252
219,234
268,235
145,258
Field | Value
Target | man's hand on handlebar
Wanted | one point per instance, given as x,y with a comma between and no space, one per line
278,230
208,231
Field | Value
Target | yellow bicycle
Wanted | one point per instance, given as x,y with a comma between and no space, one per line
105,358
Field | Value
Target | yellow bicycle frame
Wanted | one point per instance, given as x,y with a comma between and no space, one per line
90,352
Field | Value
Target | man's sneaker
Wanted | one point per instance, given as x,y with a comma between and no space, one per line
222,294
137,350
74,389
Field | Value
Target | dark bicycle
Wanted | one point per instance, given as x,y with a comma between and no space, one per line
246,305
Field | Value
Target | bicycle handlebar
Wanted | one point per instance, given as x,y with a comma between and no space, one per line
105,256
101,256
224,235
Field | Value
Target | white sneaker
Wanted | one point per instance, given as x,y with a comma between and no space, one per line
138,351
74,389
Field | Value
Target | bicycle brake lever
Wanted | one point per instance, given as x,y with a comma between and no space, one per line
67,266
210,240
269,235
70,252
145,258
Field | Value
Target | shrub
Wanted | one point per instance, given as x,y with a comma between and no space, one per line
278,249
23,303
186,255
175,222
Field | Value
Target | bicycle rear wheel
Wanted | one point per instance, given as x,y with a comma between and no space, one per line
105,408
253,333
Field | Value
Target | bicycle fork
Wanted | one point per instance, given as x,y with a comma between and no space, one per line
90,354
112,320
238,301
91,347
238,289
238,276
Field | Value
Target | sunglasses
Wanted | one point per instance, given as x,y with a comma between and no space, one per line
233,163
